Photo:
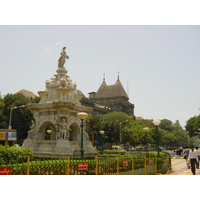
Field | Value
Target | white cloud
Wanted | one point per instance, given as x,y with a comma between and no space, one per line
58,43
47,50
51,49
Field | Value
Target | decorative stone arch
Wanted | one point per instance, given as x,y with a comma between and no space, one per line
46,124
74,128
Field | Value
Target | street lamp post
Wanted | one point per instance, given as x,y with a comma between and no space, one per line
82,116
156,123
120,130
102,133
9,126
146,129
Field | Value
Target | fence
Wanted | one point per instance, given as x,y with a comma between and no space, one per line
99,165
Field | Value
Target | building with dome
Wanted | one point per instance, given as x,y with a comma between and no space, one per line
27,94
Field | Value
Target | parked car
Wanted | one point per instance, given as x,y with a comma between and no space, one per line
139,148
116,147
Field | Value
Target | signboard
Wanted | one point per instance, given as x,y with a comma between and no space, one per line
150,160
5,171
82,166
125,163
2,135
11,136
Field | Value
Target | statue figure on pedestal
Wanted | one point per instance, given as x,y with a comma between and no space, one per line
63,129
63,56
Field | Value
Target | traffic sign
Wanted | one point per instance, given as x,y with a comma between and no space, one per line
125,163
82,166
5,171
150,160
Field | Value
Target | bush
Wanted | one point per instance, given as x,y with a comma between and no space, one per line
119,152
13,155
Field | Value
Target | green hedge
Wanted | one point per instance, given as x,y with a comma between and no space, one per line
107,163
120,152
13,155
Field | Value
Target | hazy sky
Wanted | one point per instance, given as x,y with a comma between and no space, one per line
159,66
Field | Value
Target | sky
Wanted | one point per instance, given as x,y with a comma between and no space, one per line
159,66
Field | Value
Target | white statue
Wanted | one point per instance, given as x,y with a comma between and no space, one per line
63,56
63,129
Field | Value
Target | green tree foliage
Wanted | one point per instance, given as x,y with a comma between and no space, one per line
166,124
110,123
136,135
21,117
171,135
193,126
166,131
94,123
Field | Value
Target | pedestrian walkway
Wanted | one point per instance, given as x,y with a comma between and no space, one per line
179,167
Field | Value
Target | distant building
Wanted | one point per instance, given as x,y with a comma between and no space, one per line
27,94
109,98
139,118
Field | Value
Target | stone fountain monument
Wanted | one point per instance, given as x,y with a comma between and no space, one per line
55,130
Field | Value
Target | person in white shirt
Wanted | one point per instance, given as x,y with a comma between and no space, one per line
197,164
193,158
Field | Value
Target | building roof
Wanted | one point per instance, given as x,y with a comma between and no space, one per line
27,93
110,91
139,118
78,92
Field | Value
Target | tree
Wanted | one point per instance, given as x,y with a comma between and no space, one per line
168,138
110,124
93,126
93,123
132,132
193,126
114,124
166,124
172,135
21,117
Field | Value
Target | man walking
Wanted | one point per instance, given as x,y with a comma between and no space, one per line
193,158
198,153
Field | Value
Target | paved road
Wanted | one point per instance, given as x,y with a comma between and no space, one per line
179,167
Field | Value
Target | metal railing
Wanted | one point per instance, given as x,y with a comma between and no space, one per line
99,165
